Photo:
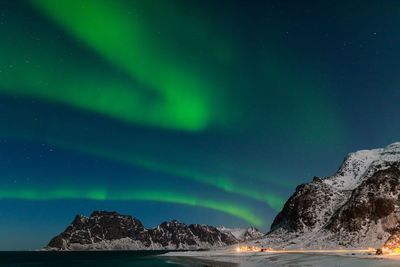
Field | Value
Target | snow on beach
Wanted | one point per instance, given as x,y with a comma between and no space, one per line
255,259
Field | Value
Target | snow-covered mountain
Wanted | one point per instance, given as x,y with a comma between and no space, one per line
359,206
104,230
242,234
360,165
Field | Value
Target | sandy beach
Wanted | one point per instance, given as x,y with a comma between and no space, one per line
255,259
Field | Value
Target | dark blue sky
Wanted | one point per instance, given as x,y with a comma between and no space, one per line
199,111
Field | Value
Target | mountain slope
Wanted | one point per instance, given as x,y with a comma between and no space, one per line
358,206
242,234
104,230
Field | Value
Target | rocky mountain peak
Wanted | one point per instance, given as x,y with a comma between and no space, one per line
357,206
105,230
242,234
104,213
359,165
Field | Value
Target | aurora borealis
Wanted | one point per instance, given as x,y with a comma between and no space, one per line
201,111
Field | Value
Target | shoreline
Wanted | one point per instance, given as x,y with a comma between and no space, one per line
228,258
201,261
224,258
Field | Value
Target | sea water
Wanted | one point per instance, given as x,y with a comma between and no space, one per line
90,258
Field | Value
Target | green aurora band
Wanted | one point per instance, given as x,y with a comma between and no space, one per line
224,183
161,92
182,99
63,140
102,194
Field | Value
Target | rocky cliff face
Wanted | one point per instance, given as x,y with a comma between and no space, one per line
356,207
309,207
104,230
375,201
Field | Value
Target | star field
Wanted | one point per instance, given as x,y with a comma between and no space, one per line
203,111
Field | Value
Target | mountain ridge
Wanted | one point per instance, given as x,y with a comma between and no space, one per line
356,207
105,230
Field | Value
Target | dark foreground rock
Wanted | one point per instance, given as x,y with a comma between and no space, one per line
359,206
104,230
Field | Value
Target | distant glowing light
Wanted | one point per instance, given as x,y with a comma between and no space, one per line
390,251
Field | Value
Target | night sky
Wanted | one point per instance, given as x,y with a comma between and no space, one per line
206,112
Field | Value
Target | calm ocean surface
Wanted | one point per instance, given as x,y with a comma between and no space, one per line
90,258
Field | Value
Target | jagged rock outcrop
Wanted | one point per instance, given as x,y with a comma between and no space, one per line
104,230
375,201
252,233
359,206
242,234
309,207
